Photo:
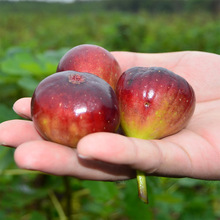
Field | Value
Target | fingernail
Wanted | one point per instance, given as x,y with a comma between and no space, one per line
5,145
20,114
84,157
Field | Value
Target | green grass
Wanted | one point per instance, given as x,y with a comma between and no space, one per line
144,32
32,42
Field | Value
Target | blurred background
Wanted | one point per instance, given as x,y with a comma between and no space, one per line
34,35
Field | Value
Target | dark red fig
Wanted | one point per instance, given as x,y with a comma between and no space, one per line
68,105
91,59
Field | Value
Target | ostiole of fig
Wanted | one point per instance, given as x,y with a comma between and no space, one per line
142,186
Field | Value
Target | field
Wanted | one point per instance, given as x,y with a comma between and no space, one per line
31,44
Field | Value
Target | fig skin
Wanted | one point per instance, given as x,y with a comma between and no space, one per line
68,105
92,59
154,102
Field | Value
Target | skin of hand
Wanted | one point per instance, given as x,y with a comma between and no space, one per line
193,152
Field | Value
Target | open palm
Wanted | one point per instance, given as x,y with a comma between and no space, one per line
193,152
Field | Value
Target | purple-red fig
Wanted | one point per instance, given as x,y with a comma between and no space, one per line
154,103
68,105
92,59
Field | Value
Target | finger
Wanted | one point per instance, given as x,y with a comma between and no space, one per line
153,157
16,132
185,154
22,107
57,159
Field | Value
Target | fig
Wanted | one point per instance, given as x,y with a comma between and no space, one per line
68,105
154,103
92,59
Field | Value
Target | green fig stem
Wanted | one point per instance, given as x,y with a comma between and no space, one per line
142,186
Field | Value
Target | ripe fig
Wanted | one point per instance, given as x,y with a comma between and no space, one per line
92,59
154,103
68,105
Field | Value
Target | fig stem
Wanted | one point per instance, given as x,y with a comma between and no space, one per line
142,186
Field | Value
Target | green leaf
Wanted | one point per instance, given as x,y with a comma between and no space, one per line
18,62
28,83
6,113
37,216
21,63
6,158
187,182
135,208
102,191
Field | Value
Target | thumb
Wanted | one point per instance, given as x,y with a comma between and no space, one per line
156,157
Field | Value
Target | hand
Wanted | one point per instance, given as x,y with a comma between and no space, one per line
193,152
